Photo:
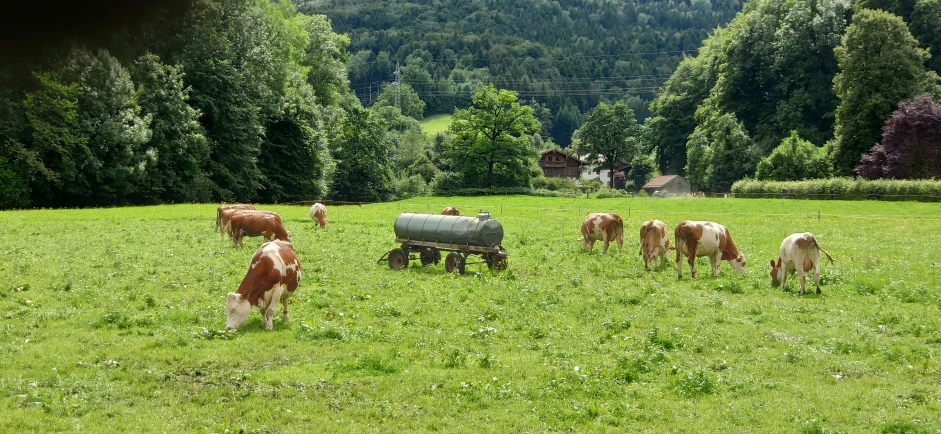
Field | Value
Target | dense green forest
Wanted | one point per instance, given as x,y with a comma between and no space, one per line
566,56
816,78
252,100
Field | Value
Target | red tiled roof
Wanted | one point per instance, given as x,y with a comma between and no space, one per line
659,181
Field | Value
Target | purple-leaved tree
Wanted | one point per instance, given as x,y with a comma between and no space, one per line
911,144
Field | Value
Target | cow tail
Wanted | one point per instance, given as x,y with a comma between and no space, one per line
829,258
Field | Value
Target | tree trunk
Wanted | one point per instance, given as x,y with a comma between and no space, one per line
611,176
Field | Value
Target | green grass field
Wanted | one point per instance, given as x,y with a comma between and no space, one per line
435,124
110,320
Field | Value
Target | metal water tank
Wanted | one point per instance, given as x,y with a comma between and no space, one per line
481,231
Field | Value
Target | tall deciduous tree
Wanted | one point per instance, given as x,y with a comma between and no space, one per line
59,149
672,111
409,102
610,131
880,65
489,146
108,114
362,159
925,22
911,144
719,152
177,151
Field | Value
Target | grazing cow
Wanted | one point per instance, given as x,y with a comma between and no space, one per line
450,210
222,220
272,277
654,242
318,212
602,226
801,253
257,223
695,239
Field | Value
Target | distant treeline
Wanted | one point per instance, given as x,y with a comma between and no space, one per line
566,56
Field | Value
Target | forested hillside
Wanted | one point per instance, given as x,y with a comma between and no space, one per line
566,55
797,89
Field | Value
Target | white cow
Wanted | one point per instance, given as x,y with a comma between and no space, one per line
272,277
801,253
698,238
318,212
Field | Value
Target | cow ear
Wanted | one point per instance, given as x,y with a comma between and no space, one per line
772,263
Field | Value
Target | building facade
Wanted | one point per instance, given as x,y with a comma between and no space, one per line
555,163
667,184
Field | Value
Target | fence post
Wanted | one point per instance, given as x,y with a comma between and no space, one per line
818,215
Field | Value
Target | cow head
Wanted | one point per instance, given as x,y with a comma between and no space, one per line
777,273
738,264
236,311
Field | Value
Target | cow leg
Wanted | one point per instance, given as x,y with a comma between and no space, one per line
679,265
817,278
606,242
620,240
692,266
714,261
284,314
268,313
801,274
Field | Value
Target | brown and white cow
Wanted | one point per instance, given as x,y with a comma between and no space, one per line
318,212
697,238
450,210
654,242
222,217
272,277
800,253
602,226
257,224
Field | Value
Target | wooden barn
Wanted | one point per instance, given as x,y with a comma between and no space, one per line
667,184
555,163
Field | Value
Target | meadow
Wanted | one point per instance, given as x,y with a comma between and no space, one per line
434,124
113,320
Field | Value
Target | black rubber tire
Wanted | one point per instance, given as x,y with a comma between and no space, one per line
454,262
429,255
398,259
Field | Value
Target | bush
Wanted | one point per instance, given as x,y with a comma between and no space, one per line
409,186
841,188
590,186
793,160
446,182
554,184
606,193
13,191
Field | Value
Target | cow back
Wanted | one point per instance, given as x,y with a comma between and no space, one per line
274,263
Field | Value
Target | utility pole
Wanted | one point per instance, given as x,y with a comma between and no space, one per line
398,86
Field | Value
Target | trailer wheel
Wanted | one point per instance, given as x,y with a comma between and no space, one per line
454,261
429,255
497,261
398,259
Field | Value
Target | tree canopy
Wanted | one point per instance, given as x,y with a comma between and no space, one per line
610,131
911,143
490,147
